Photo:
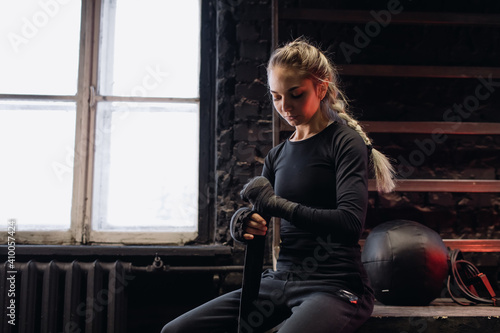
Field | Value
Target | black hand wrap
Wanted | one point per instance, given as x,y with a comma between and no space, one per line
261,194
239,223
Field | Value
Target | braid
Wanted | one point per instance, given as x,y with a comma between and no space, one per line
354,124
337,107
310,62
384,171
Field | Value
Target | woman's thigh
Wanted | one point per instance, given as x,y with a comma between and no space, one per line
327,313
220,315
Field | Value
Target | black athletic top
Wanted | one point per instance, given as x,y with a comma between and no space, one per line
327,174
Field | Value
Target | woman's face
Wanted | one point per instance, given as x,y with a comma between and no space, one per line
296,99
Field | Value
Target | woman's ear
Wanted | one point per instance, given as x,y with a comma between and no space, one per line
322,90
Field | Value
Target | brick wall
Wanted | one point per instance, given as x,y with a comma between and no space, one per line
244,113
244,118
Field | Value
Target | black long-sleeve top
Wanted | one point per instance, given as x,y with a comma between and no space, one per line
327,175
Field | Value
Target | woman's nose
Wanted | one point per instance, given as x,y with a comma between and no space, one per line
286,105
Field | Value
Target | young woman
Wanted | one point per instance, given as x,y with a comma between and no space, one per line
316,182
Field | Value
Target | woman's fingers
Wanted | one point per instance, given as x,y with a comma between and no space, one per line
250,232
256,226
259,226
248,236
257,218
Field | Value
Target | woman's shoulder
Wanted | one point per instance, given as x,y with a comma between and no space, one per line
275,150
345,138
341,131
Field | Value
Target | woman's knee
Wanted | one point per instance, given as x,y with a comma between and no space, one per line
173,327
168,329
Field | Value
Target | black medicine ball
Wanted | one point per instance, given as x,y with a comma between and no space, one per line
406,262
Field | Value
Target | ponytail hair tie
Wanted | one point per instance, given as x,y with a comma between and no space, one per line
370,147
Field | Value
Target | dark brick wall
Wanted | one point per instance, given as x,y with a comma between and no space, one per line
244,131
244,118
420,156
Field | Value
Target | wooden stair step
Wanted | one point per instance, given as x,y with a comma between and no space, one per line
442,315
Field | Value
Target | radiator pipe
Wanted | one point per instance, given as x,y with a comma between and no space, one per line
159,266
168,268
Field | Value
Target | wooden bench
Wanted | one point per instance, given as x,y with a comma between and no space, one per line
442,315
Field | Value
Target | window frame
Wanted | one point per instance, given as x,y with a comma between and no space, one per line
87,99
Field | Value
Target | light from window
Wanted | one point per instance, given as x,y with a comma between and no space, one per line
150,48
39,47
146,160
147,167
37,142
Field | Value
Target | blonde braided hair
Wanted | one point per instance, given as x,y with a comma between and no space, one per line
310,62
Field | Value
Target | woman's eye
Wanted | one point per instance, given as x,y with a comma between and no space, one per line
276,98
297,96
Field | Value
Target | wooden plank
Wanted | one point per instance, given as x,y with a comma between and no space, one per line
460,72
443,185
405,17
467,245
422,127
431,127
473,245
275,16
440,307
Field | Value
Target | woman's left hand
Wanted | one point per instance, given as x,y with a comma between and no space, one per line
256,226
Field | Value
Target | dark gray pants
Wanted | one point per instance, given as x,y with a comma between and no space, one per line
310,306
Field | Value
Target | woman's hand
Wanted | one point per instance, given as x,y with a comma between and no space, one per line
255,226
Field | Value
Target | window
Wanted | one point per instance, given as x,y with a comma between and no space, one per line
100,120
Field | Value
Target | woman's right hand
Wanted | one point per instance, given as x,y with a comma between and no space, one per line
256,226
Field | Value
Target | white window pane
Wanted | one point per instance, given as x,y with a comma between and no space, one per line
36,174
39,47
146,167
150,48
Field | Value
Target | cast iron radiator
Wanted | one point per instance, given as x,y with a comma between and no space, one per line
68,297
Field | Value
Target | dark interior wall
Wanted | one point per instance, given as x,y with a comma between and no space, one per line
244,111
416,99
244,118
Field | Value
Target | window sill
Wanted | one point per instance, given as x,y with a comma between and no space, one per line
150,251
